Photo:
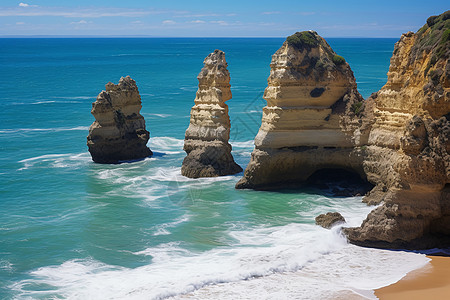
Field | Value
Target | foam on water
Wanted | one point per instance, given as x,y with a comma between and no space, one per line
30,130
286,259
74,98
70,160
157,115
166,144
282,262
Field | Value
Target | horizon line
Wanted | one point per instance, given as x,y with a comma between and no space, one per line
177,37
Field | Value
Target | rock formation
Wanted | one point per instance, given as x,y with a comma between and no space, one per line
408,147
312,111
118,132
329,219
206,139
398,139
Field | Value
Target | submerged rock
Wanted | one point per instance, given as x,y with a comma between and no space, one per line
313,108
118,133
206,139
329,219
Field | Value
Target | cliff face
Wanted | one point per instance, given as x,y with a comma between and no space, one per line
206,139
398,139
118,132
311,116
408,146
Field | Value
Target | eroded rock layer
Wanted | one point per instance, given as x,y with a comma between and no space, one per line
206,139
408,147
118,132
312,113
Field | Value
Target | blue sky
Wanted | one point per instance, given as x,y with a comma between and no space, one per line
232,18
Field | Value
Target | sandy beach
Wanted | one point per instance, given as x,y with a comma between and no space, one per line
431,281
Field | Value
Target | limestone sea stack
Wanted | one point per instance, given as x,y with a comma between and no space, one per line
409,144
118,133
312,118
206,139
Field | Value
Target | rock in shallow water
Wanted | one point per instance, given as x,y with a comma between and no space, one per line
313,108
330,219
118,133
206,139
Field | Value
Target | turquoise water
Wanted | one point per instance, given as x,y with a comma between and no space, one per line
70,228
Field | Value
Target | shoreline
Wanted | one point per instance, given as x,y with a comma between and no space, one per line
431,281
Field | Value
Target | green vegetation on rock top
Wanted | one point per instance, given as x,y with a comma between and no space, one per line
434,38
304,39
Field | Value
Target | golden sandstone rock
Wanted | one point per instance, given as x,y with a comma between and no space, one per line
118,133
398,139
409,142
206,139
309,89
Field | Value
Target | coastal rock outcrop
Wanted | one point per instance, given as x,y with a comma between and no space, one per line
118,132
206,139
398,139
312,120
329,219
409,144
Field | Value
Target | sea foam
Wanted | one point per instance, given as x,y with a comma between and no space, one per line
297,260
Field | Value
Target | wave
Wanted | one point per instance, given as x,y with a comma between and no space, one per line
6,266
54,101
69,160
163,229
75,97
283,262
38,102
166,143
57,129
250,111
246,144
157,115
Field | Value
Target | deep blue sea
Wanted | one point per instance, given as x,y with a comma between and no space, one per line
72,229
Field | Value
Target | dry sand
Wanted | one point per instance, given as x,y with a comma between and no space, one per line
429,282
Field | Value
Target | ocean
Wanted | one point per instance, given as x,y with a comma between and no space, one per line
73,229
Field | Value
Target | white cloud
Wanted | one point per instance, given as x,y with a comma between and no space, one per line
202,15
20,23
81,22
197,22
35,11
223,23
168,22
136,22
21,4
270,13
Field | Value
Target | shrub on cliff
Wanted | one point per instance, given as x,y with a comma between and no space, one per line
445,36
338,60
304,39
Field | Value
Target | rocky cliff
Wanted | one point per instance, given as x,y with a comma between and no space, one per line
398,139
408,147
312,120
118,132
206,139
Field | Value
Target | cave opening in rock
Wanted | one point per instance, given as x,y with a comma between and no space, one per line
339,182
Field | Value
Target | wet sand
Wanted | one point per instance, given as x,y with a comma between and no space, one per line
429,282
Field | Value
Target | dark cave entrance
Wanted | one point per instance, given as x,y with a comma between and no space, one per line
339,182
